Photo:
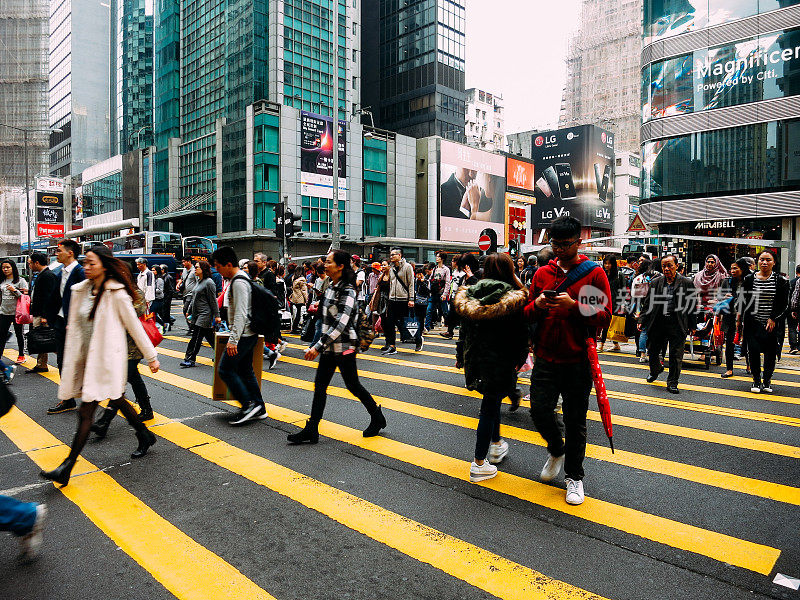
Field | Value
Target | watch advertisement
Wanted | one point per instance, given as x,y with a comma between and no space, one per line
574,170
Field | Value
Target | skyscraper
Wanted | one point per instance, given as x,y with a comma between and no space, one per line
132,74
603,78
413,65
23,104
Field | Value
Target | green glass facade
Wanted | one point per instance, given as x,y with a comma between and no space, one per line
103,195
308,55
266,169
134,75
375,196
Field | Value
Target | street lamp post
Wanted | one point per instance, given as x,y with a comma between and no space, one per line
25,131
335,209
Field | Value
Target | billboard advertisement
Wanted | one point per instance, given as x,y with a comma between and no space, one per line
520,197
316,156
472,185
574,176
50,199
46,231
50,216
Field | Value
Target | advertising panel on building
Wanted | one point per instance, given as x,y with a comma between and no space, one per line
471,194
575,176
520,198
316,156
49,207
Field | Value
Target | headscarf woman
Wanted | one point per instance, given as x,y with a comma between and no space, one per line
709,280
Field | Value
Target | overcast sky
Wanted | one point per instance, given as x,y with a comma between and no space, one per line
516,48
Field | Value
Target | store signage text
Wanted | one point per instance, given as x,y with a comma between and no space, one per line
715,225
735,70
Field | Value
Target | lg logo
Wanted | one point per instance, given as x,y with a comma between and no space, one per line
539,140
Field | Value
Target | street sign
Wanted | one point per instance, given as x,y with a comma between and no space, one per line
484,242
637,224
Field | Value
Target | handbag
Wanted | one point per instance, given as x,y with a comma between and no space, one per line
7,399
412,325
309,329
23,312
149,323
631,326
616,329
41,340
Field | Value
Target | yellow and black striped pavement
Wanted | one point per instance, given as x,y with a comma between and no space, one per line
701,499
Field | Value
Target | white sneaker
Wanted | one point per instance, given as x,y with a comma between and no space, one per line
767,387
574,491
643,359
480,472
31,543
552,467
756,389
497,452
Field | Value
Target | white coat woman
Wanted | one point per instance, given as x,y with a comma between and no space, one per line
96,359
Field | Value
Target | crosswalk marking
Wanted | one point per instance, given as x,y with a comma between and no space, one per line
472,564
687,361
651,426
167,553
683,405
728,481
722,547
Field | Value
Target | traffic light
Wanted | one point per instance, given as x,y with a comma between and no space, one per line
292,222
279,221
513,247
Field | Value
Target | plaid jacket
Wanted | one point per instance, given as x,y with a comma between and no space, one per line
339,312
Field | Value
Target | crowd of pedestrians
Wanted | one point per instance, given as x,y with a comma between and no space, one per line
543,312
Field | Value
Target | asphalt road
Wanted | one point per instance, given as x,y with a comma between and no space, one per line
699,501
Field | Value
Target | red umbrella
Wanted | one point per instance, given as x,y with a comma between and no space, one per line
600,389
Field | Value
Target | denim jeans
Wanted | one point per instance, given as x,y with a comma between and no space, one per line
643,341
16,516
237,372
436,306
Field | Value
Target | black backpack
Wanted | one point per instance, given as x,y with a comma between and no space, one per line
264,317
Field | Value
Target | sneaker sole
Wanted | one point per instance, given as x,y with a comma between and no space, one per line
62,410
496,460
477,478
574,503
251,416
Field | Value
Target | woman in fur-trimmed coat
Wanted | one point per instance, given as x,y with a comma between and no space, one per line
495,346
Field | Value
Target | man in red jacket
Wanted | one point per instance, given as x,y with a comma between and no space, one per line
569,302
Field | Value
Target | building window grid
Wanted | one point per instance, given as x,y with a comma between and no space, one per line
316,214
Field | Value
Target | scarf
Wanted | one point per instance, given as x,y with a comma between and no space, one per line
708,282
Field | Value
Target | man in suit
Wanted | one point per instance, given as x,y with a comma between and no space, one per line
68,274
43,287
452,193
670,313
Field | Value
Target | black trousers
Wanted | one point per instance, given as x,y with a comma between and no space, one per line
60,326
347,367
297,312
198,335
395,313
6,321
663,331
761,342
137,383
794,337
573,381
488,425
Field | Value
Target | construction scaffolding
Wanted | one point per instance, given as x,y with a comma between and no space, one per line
24,35
603,72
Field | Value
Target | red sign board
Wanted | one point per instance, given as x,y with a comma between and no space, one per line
484,242
44,231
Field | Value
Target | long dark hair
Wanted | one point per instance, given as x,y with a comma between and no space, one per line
205,269
613,272
342,258
114,269
14,271
501,268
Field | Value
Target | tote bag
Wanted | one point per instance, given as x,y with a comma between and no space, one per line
616,330
149,324
23,313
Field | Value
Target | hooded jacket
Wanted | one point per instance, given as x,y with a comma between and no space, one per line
560,336
494,335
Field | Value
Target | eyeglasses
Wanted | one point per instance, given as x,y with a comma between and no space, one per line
564,245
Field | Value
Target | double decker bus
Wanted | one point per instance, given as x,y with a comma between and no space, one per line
163,243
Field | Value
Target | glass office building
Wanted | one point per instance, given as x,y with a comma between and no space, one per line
721,119
413,66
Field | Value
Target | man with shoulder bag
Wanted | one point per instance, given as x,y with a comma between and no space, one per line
401,300
42,289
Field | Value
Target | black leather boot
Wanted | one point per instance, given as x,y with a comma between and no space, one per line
146,412
146,439
309,434
100,427
376,423
61,473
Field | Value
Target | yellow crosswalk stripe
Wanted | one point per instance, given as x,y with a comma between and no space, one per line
683,405
749,555
687,361
653,426
478,567
720,479
167,553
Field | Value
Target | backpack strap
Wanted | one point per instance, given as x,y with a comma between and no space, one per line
576,274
